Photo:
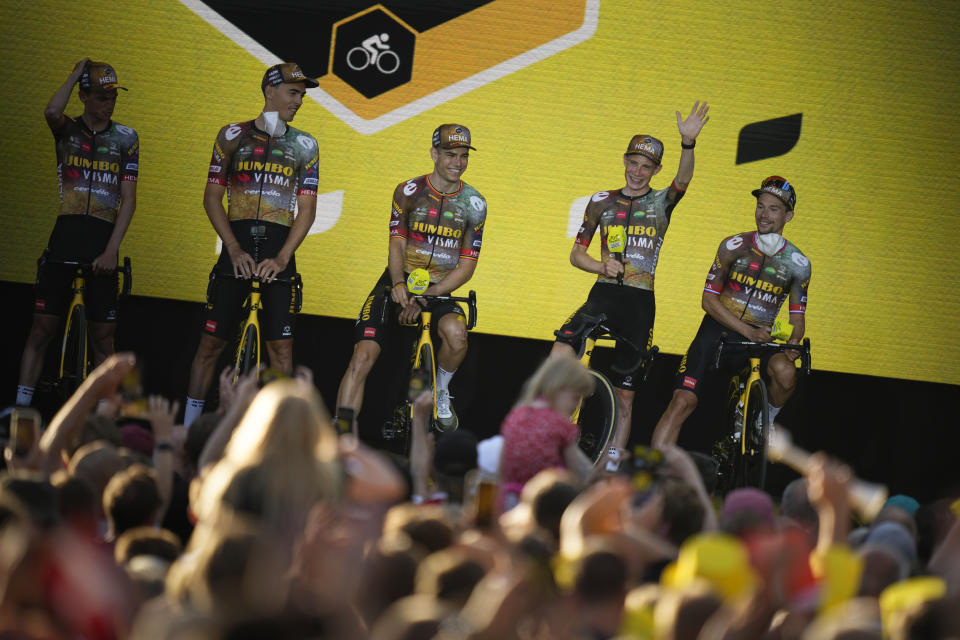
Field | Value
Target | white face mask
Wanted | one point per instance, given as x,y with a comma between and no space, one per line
273,125
770,243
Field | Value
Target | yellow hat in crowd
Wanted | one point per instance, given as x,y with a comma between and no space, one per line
719,559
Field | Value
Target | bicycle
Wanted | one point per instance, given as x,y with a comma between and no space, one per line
248,345
742,453
596,415
74,350
423,365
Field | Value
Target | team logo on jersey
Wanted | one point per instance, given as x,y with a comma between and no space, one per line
800,260
600,195
477,203
232,131
734,243
378,66
306,142
410,188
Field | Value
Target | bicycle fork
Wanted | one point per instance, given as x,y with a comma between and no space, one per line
78,288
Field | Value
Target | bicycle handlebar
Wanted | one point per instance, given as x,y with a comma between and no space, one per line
124,270
470,300
598,328
758,349
289,280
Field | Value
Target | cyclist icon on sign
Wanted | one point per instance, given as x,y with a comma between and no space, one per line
374,52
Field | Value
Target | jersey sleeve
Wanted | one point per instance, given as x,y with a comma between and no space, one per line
672,196
800,284
222,156
591,219
473,237
720,267
130,158
308,175
398,211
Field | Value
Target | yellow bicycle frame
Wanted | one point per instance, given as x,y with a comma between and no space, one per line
425,322
78,287
253,299
744,399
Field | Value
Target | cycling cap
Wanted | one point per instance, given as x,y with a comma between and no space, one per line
286,72
99,75
451,136
646,146
779,187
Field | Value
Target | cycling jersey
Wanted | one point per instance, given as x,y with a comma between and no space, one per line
753,285
263,175
645,219
92,164
440,228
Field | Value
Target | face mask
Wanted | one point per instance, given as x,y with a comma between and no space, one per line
273,125
770,243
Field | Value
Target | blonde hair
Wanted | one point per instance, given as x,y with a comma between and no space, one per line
284,450
558,372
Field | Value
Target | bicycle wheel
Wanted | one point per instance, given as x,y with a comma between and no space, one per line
247,359
598,418
727,451
754,461
73,368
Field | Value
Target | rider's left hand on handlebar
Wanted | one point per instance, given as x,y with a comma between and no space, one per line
792,354
104,263
269,268
757,334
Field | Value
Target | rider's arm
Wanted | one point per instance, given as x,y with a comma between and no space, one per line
578,254
798,298
689,130
54,111
306,212
128,202
711,303
213,205
453,280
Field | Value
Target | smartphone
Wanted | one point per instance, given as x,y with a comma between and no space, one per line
344,420
24,427
133,404
419,382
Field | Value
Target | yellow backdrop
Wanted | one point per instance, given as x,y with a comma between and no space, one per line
874,168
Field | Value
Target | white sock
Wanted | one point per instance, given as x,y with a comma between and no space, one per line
193,409
772,412
443,378
24,395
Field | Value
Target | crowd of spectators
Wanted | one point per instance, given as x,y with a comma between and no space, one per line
261,522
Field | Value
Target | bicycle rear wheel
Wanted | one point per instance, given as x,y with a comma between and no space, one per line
247,357
727,451
754,461
598,418
74,356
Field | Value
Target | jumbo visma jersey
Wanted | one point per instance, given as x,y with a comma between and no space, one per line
440,228
264,175
644,218
92,164
753,285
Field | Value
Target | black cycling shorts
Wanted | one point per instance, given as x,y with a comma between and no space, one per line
54,291
280,302
697,363
630,312
379,314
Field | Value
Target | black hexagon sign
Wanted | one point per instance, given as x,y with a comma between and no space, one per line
373,53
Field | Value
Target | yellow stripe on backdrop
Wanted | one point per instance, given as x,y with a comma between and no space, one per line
874,166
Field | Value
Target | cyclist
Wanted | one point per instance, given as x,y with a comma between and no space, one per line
753,273
436,224
97,164
624,287
269,171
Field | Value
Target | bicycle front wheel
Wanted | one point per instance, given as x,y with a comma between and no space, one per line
247,356
73,369
754,462
598,418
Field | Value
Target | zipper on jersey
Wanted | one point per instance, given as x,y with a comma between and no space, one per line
93,151
263,176
433,246
754,289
